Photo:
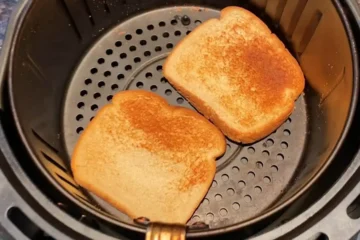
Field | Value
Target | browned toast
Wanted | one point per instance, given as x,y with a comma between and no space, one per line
238,74
148,159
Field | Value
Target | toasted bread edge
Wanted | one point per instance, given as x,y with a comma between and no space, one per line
233,133
98,191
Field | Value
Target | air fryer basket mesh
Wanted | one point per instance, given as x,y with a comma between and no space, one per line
130,56
78,75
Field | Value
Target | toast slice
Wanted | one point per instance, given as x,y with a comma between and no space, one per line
148,159
238,74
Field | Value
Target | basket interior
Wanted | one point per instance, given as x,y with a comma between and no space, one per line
54,89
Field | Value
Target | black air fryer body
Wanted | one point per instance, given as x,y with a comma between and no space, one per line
64,59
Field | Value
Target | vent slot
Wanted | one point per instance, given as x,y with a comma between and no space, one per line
106,6
68,182
320,236
24,224
279,10
54,162
72,20
98,10
259,3
309,32
82,198
275,9
353,210
300,6
89,12
44,142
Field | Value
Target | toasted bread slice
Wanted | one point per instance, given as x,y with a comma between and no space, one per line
148,159
238,74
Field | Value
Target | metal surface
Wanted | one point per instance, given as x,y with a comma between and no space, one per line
19,9
223,230
249,178
158,231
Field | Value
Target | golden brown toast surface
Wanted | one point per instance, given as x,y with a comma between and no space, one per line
148,158
238,74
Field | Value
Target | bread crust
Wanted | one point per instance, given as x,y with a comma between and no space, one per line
280,68
188,156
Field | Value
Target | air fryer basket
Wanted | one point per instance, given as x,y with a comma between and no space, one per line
69,62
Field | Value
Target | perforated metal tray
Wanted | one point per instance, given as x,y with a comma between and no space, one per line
249,178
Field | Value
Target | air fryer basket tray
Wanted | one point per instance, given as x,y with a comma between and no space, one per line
248,179
71,79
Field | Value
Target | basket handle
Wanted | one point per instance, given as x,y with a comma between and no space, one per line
160,231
